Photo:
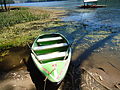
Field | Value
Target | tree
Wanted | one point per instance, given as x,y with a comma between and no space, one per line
1,3
4,4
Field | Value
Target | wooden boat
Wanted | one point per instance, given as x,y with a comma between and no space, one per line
51,53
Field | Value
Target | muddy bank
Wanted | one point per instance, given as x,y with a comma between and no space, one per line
17,79
13,72
13,58
100,71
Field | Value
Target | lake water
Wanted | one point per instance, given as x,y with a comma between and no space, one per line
69,3
107,14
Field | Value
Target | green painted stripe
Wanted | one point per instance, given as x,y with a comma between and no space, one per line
50,42
60,49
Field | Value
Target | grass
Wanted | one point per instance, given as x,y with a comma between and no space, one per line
21,26
12,36
20,16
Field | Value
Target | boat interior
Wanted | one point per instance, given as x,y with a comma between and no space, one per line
51,48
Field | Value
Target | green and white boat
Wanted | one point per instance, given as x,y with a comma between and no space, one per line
51,54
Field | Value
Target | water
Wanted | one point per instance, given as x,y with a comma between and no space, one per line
69,3
104,16
66,4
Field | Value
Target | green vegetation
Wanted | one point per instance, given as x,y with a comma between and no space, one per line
19,27
13,35
19,16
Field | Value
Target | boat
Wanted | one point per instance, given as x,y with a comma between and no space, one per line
91,4
51,54
87,1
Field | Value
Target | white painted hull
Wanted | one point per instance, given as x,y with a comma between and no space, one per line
86,1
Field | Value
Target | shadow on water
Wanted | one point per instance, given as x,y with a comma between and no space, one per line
89,51
73,77
38,78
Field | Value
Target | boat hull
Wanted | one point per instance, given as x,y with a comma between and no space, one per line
53,70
